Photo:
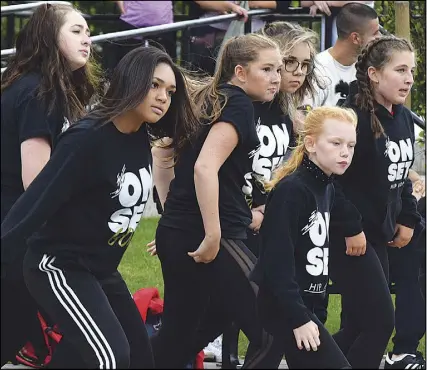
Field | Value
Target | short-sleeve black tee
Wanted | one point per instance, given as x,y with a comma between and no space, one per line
23,116
275,133
181,206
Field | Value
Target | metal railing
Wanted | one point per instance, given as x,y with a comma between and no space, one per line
147,31
12,9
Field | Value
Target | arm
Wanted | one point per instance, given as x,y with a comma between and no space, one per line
35,153
220,142
280,237
280,6
121,6
57,182
221,6
409,215
163,171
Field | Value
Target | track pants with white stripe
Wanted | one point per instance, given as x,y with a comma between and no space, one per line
96,314
201,300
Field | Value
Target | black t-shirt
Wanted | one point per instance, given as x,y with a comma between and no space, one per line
294,252
275,133
181,206
88,200
23,117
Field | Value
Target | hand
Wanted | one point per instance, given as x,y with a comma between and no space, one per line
323,6
418,189
402,236
307,335
234,8
356,245
207,250
257,218
152,248
313,10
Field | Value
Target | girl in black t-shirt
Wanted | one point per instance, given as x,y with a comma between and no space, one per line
46,85
200,237
83,208
278,121
292,270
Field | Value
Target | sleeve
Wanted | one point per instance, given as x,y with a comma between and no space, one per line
239,112
34,121
409,215
283,6
65,174
344,215
279,235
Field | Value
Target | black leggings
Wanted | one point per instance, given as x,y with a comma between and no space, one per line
367,304
201,300
96,315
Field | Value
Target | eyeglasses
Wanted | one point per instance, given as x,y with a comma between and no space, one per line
291,65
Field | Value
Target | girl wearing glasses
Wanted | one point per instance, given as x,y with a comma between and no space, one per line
278,121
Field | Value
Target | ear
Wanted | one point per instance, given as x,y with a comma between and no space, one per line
310,144
373,74
240,73
355,38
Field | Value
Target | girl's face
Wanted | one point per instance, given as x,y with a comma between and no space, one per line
74,40
333,149
158,100
261,78
295,68
392,84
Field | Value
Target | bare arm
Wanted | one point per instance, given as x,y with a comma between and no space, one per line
223,7
121,6
35,153
220,142
263,4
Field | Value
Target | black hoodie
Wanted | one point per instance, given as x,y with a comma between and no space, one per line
294,254
376,185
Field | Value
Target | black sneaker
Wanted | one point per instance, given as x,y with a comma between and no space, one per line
410,361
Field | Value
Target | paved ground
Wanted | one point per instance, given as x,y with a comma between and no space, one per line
207,365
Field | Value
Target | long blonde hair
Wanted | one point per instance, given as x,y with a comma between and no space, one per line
238,50
313,126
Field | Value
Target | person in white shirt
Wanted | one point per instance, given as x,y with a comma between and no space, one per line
357,24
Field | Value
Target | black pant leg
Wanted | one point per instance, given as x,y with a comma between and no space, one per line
19,322
367,302
74,299
126,311
186,297
410,321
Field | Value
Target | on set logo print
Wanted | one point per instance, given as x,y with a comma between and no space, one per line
318,231
401,154
132,192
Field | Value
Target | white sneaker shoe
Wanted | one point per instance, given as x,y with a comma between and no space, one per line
214,350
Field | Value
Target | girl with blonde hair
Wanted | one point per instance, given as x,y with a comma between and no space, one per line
292,269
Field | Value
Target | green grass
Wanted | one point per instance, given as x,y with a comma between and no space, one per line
139,270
